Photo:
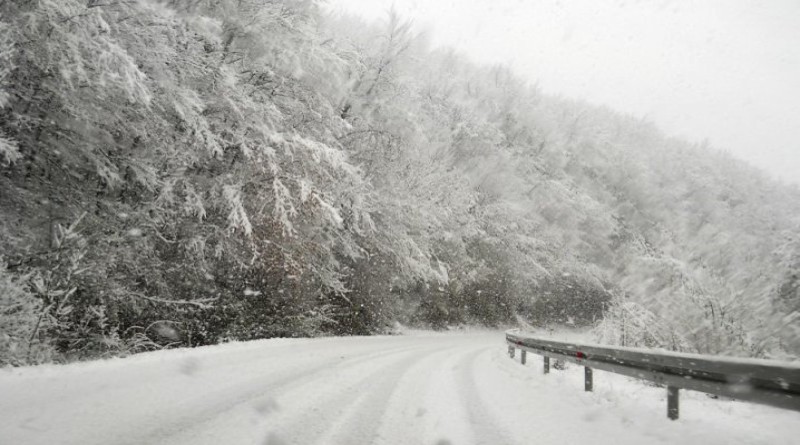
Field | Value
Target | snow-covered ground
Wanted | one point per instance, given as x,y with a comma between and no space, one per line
421,388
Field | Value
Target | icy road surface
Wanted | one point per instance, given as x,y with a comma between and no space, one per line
420,388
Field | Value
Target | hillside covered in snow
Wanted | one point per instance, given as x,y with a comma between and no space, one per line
185,172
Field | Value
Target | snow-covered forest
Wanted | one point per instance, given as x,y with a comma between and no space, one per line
186,172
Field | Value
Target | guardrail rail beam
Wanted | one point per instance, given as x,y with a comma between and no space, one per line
767,382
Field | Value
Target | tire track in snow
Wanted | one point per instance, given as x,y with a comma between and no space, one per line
486,430
157,406
426,406
351,413
362,421
260,397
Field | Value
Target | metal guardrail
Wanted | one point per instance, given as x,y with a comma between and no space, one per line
767,382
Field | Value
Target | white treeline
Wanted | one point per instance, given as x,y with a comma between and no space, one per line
184,172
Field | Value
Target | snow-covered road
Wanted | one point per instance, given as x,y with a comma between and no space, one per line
420,388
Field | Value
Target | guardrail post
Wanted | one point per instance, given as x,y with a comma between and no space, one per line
673,402
546,364
587,382
511,351
523,357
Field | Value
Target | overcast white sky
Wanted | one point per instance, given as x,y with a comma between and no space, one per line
726,70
